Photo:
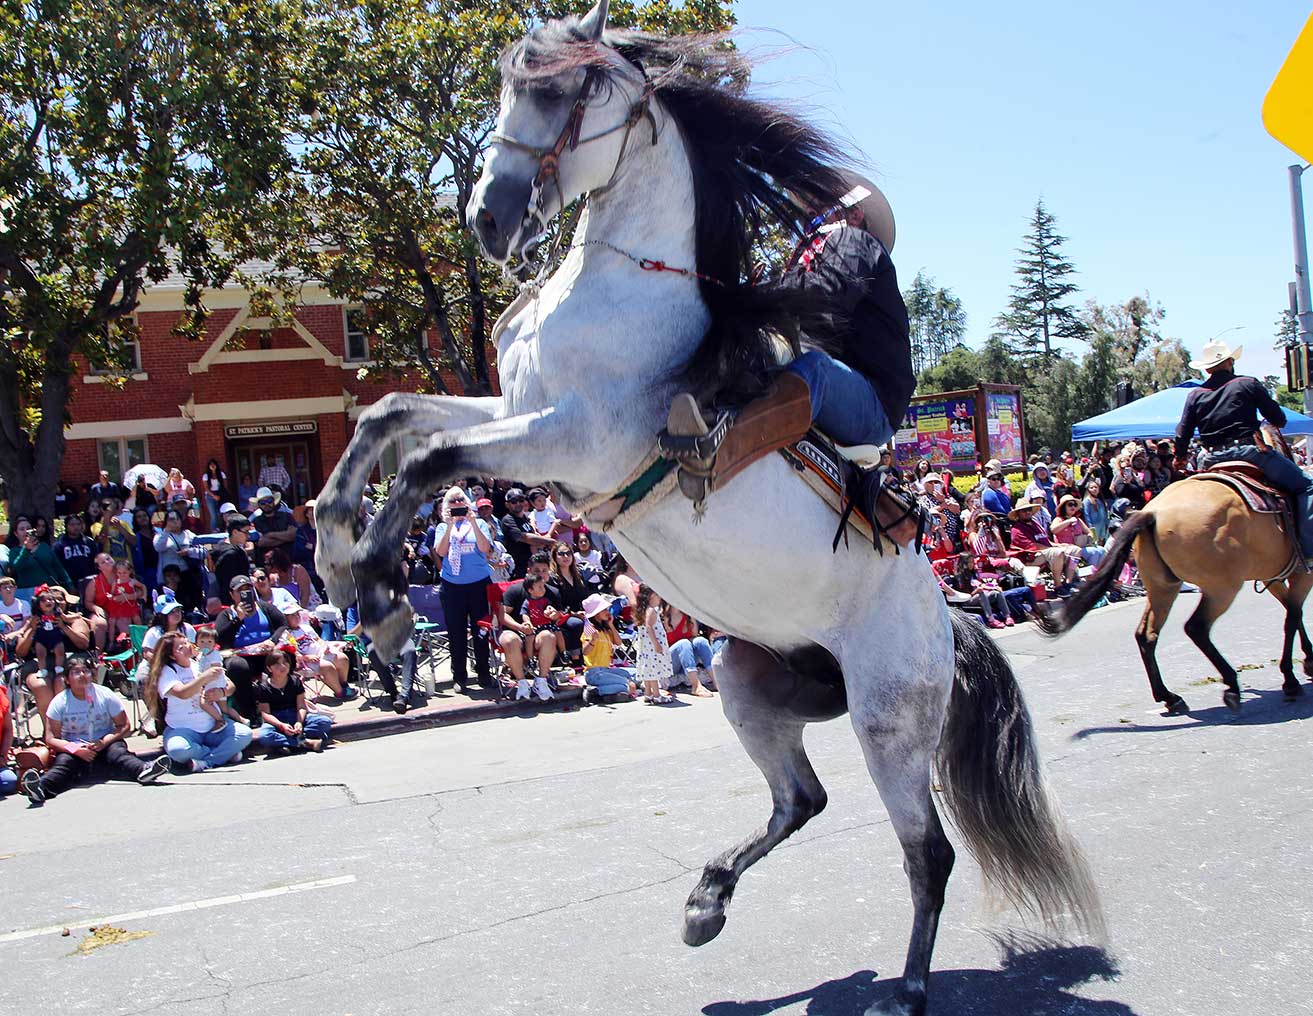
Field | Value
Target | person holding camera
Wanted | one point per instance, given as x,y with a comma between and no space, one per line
251,627
462,542
34,563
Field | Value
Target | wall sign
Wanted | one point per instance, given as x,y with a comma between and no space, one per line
250,430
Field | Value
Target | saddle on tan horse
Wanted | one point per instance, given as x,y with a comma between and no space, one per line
1262,498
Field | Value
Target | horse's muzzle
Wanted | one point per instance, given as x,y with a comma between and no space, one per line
497,213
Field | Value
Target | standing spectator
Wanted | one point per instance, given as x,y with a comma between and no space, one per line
97,596
1095,509
997,499
41,525
1101,466
230,557
76,551
251,627
1129,480
34,563
175,686
273,523
273,474
653,652
1158,474
145,558
66,499
484,507
214,489
246,494
1064,476
328,659
143,496
307,539
114,532
935,499
105,487
286,722
463,546
85,727
521,539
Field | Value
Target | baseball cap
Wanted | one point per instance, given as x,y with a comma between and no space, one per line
238,582
514,494
481,502
227,507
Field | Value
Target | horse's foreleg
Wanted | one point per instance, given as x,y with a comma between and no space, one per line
749,680
337,509
1161,587
1212,606
898,734
548,445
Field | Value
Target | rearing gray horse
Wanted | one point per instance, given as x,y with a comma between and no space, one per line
681,169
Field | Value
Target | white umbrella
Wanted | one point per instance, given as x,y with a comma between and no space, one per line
155,476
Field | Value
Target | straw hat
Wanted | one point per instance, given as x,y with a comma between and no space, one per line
1067,499
1215,352
1022,509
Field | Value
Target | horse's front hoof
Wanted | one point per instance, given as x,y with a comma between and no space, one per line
1178,707
702,924
1293,690
1231,699
901,1003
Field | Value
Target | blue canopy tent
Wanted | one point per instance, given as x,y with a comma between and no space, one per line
1156,416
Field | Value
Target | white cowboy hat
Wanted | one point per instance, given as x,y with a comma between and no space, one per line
879,216
1215,351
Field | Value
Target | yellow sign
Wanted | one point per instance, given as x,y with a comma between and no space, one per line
1288,107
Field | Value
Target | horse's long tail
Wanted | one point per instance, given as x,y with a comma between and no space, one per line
994,793
1089,592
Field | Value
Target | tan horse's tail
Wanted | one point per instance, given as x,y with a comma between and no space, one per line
1089,592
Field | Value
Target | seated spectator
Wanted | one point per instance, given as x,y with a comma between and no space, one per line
145,558
48,639
13,611
174,689
588,559
286,723
114,531
1042,483
519,634
8,778
73,635
571,591
996,498
328,659
1031,539
483,506
273,524
97,598
283,574
34,563
85,728
1070,529
690,653
265,589
176,545
177,486
919,472
600,640
167,618
251,627
981,589
986,544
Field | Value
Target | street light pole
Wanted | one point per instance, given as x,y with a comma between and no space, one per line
1303,303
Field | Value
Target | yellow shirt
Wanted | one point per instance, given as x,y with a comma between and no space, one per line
598,652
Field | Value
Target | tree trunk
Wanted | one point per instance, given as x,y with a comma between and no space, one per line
31,473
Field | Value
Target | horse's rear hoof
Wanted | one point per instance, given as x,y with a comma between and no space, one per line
1293,690
1231,699
1180,707
701,926
901,1003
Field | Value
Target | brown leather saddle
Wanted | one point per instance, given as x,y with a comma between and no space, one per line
1260,496
835,476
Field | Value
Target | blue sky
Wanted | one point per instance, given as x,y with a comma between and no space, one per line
1139,125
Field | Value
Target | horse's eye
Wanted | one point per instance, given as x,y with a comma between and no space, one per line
548,93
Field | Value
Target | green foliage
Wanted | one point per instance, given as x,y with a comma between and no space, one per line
1287,329
1284,396
137,139
1037,313
937,321
398,98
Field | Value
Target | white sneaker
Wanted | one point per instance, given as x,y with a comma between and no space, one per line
541,689
522,689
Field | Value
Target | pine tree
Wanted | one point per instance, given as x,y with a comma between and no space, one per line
936,319
1287,333
1037,313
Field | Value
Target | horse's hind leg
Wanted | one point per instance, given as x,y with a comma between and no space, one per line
899,731
1212,606
1292,595
768,706
1161,587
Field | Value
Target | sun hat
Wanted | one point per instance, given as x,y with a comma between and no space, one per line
1067,499
1215,352
595,604
264,493
1021,508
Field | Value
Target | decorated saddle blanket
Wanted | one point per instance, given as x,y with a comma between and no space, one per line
1248,481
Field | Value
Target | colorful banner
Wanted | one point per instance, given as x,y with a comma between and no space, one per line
943,432
1003,426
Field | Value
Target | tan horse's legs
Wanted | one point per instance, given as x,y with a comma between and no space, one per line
1292,595
1212,605
1161,587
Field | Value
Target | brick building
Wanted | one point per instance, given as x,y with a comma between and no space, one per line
242,395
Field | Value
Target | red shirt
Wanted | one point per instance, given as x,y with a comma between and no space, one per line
1029,537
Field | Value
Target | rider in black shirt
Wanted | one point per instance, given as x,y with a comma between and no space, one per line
1225,410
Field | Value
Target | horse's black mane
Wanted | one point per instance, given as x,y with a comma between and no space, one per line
754,164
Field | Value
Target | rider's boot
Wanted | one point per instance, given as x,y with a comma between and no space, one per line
717,453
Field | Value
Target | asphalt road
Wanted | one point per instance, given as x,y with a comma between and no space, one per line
539,865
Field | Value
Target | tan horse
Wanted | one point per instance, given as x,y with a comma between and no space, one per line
1199,531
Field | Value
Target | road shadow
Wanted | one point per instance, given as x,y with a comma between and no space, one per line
1035,979
1259,706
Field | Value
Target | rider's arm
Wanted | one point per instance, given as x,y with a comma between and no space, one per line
1268,406
1185,429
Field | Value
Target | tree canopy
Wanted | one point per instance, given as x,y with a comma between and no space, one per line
1038,313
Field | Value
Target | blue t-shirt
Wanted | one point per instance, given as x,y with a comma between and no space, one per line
253,629
997,501
464,562
85,720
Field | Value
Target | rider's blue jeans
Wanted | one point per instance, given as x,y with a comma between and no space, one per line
844,403
1282,472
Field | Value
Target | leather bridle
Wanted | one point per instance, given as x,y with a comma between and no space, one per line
549,159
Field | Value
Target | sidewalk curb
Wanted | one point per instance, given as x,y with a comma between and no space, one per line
389,722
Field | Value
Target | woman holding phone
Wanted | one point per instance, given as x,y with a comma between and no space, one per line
462,542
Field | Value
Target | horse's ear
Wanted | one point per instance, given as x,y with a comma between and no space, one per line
593,23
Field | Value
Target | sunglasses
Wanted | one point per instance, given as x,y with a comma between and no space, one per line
564,553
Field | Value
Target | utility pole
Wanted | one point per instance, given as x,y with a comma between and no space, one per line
1303,303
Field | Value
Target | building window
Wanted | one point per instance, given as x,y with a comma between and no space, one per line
131,362
357,340
389,462
119,454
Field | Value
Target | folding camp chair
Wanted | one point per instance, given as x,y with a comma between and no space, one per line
123,666
431,639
